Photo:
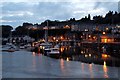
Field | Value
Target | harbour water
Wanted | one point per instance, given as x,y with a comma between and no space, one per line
92,54
24,64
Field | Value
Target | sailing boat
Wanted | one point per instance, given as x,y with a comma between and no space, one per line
48,49
46,44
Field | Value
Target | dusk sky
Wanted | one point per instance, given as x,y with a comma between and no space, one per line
14,13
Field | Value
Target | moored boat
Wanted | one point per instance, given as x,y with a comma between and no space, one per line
53,52
9,49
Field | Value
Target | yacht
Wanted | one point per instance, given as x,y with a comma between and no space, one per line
46,44
53,52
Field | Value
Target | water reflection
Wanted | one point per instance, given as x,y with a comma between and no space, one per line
33,61
67,59
105,69
82,67
33,53
105,56
91,70
88,54
62,64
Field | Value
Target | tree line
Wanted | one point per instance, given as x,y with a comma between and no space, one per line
110,18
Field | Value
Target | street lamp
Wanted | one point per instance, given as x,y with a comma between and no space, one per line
54,38
104,33
89,36
61,37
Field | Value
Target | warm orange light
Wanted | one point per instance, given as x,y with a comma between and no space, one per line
89,55
105,70
34,28
57,40
66,48
54,38
86,55
94,37
61,49
43,40
107,29
104,55
61,37
68,59
105,64
104,33
105,40
67,26
62,64
82,52
33,44
89,36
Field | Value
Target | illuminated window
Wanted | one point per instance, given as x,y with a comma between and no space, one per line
107,29
104,40
89,36
104,33
86,29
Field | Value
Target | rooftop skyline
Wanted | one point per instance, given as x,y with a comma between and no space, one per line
15,13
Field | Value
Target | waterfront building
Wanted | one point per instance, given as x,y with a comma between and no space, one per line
17,40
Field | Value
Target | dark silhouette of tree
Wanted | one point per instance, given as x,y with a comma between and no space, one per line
110,18
116,18
6,30
27,25
36,24
20,31
98,19
72,19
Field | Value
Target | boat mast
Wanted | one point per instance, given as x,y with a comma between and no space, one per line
46,32
10,37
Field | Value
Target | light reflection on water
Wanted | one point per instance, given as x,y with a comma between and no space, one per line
26,64
105,69
91,70
88,55
34,61
33,53
82,67
90,66
67,59
62,64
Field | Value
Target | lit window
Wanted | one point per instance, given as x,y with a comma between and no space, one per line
107,29
104,33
